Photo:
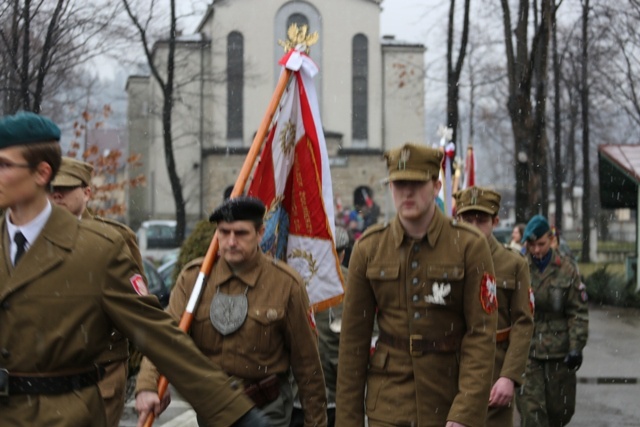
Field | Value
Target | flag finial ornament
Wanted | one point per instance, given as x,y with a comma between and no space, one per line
445,134
298,39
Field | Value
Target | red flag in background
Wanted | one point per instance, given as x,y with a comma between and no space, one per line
293,180
470,169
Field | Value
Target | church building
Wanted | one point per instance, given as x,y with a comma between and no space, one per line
370,90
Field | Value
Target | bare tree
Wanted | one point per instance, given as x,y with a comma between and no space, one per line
527,103
584,97
453,71
42,44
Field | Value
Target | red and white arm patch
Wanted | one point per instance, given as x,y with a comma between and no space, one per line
137,282
312,321
488,293
532,301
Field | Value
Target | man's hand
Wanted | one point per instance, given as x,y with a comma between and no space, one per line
573,360
253,418
454,424
501,392
148,402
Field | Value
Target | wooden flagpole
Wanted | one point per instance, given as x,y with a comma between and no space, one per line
238,188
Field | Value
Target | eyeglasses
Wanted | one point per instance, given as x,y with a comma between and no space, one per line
5,165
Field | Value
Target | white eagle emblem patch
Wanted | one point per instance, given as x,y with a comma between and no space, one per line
440,291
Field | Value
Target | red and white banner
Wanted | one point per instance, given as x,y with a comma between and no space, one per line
293,179
469,169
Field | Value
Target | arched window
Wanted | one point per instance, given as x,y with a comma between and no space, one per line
235,85
298,19
359,89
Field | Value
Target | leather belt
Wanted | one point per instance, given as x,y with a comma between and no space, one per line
15,384
417,345
264,391
502,335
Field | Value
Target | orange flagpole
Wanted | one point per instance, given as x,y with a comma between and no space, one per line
238,188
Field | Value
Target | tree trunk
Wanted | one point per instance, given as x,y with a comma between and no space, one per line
557,169
586,173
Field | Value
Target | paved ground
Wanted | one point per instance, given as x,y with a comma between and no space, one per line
609,380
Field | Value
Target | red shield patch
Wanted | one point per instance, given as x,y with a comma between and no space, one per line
488,296
137,281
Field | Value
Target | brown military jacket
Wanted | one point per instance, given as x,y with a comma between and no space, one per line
515,311
127,234
276,334
429,288
58,307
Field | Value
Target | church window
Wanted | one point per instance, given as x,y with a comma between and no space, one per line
359,90
235,85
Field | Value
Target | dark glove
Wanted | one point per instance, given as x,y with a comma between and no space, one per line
254,418
573,360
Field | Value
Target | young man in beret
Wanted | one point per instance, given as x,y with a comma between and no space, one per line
430,280
561,329
65,285
252,321
71,189
479,207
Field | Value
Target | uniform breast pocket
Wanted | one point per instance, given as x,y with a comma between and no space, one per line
263,328
444,284
384,280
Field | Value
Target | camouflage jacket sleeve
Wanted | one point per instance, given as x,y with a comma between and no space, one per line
576,309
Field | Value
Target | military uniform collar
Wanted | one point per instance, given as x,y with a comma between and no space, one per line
433,232
248,274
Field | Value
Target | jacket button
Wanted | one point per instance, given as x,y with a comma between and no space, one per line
416,315
416,298
414,264
5,353
416,248
415,281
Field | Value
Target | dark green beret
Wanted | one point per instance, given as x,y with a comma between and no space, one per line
242,208
27,128
537,227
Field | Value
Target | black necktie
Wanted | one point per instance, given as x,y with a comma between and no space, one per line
21,243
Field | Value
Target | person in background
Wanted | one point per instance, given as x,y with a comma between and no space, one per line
430,280
516,237
71,189
252,321
561,329
479,207
66,285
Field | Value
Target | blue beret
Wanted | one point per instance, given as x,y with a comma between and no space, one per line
27,128
242,208
537,227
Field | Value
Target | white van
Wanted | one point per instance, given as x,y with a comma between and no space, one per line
157,239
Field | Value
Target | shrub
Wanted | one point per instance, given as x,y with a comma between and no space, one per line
195,246
605,287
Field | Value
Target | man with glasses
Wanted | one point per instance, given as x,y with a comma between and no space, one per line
65,285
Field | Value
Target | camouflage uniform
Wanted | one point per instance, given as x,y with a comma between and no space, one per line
561,325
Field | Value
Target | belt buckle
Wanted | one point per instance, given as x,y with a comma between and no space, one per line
4,383
411,350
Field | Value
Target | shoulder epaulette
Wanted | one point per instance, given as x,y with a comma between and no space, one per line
376,228
197,262
286,268
101,229
514,250
461,225
114,223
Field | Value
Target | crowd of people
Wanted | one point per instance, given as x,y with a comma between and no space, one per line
441,325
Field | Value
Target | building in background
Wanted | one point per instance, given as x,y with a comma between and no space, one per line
370,89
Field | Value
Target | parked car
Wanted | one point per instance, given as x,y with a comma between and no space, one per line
166,272
156,284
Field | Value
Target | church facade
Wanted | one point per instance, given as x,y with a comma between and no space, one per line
370,89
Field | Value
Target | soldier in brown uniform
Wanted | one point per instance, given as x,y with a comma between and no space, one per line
72,190
430,279
252,321
65,285
479,207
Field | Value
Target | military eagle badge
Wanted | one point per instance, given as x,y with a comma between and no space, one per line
488,294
